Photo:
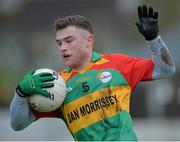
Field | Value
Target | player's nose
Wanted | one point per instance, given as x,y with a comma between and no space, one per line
63,47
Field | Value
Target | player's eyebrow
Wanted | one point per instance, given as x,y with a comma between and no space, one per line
69,37
66,38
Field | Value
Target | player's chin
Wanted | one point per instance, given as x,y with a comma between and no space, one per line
68,63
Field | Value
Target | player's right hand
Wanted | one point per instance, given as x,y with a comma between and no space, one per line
34,84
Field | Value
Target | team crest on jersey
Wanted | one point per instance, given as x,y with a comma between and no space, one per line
104,76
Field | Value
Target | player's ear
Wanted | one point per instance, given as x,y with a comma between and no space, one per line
90,40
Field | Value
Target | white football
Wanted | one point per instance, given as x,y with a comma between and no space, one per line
57,94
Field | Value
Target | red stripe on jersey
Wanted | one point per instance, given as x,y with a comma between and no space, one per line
133,69
56,113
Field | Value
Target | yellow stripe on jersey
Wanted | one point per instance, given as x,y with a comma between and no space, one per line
65,75
96,106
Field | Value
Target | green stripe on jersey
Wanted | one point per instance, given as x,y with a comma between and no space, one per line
91,81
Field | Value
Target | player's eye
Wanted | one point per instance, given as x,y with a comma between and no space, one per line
59,43
69,40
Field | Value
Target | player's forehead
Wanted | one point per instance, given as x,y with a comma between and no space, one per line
70,31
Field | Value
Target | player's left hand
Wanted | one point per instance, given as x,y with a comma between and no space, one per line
148,22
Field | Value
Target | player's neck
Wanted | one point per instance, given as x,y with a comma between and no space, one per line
85,65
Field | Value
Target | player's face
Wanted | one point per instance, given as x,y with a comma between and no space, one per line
75,46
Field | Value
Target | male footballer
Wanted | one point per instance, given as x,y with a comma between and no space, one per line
96,108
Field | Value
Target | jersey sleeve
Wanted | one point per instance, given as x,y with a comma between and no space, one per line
134,69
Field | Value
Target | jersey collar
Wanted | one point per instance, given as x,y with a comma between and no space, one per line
95,57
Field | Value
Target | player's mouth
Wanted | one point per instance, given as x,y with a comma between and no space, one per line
66,56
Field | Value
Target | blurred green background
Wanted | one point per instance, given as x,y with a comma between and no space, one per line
27,41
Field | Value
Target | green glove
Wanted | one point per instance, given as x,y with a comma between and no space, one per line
148,22
34,84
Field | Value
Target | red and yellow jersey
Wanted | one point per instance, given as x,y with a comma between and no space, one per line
96,106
